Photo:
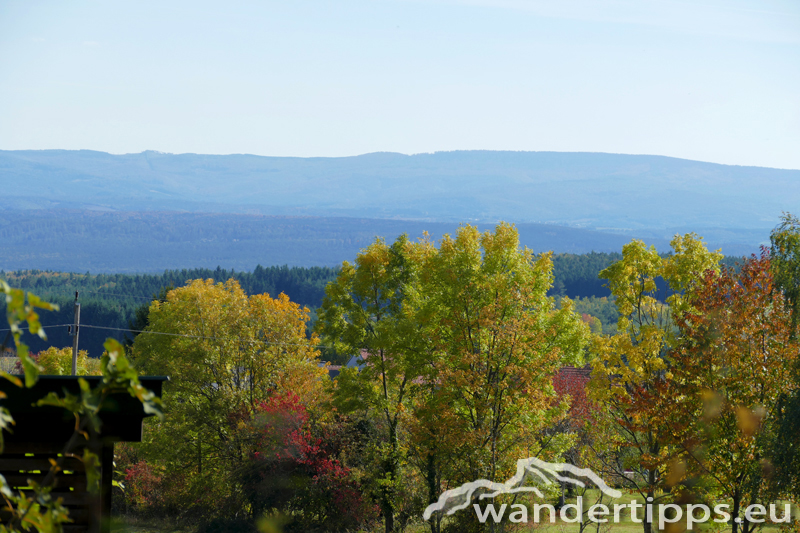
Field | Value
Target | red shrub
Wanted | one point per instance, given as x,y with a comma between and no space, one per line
298,468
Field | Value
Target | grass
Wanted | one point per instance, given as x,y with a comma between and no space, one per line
130,525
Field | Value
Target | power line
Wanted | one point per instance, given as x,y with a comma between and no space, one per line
101,293
195,336
171,334
118,294
43,326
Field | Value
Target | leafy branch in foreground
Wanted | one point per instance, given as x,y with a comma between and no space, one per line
36,508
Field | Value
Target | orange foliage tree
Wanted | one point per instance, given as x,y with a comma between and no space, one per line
731,371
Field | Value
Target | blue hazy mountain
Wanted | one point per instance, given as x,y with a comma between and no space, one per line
86,210
590,190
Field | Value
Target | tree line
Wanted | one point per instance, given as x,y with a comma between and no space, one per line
119,301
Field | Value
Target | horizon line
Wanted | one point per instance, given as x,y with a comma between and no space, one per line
387,152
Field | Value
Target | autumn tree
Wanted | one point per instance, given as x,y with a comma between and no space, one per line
731,371
297,469
225,353
459,345
630,367
570,385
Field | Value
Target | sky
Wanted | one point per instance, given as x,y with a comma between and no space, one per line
711,80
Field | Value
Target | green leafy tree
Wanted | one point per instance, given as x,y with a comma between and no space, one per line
459,345
365,312
785,264
785,261
498,341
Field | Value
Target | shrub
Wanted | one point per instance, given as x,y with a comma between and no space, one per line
296,471
58,362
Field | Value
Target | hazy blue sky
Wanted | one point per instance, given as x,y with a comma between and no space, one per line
713,80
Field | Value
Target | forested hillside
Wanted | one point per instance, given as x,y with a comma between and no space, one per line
97,241
112,300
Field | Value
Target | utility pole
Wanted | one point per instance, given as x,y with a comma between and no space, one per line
74,334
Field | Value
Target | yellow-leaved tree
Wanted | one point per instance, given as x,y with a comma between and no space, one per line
632,432
225,353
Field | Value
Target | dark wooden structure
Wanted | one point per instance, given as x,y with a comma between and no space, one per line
41,434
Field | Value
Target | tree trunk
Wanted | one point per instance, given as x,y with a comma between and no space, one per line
747,526
648,527
651,482
388,513
433,491
387,492
735,511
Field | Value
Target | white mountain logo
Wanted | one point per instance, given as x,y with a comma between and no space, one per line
540,471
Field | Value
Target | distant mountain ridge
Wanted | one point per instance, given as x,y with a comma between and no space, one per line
649,195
